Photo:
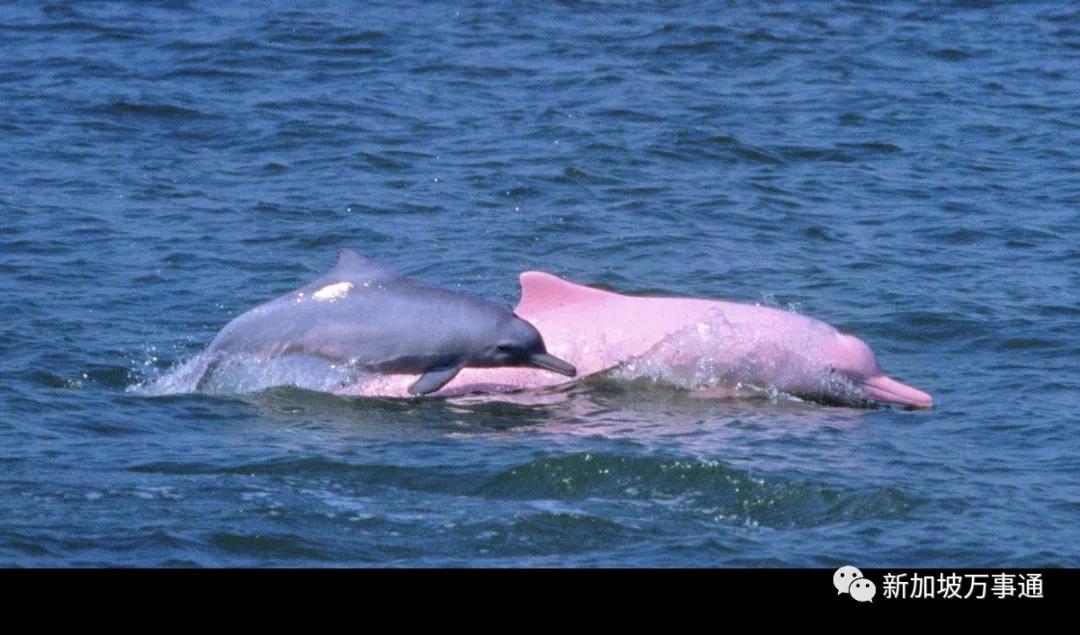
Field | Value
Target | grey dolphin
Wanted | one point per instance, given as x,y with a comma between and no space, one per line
371,317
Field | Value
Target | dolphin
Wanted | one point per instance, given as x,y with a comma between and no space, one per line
372,318
732,344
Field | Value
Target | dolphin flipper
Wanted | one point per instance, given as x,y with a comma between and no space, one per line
434,379
192,375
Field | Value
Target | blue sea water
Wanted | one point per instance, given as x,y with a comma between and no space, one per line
908,172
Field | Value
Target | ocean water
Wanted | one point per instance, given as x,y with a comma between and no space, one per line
908,172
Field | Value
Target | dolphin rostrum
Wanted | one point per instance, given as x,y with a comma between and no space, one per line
372,318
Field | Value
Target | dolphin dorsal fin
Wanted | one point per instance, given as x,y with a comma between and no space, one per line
351,265
541,292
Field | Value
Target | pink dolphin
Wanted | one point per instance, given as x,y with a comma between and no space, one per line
707,345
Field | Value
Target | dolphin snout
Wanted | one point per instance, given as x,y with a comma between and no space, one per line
552,363
888,390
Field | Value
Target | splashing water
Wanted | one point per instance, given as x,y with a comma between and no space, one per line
241,374
717,357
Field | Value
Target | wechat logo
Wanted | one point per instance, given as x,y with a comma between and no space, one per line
851,581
